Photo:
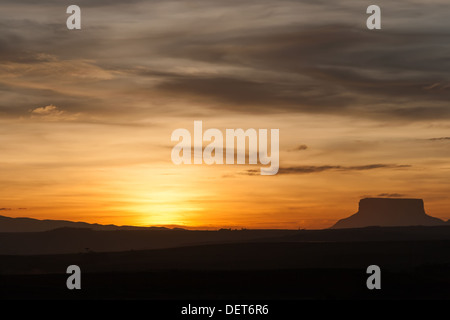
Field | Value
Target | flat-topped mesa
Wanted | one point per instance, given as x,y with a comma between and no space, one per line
389,212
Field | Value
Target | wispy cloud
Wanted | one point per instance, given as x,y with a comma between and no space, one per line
317,169
257,58
51,113
299,148
391,195
439,139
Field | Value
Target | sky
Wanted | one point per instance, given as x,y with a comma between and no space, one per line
86,116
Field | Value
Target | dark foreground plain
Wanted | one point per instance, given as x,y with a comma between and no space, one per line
296,265
429,282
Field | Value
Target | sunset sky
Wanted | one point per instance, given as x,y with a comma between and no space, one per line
86,115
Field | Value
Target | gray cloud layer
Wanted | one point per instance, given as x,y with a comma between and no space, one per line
239,56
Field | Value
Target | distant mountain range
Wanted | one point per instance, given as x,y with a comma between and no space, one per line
381,212
8,224
387,212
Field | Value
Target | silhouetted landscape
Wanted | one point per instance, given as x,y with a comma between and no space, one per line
8,224
252,270
161,263
224,150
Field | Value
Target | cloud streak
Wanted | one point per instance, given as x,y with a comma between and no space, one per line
318,169
299,148
391,195
51,113
439,139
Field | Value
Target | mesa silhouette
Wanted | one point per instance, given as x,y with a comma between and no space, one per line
388,212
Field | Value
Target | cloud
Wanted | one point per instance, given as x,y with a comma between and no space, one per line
439,139
249,96
49,110
317,169
308,71
51,113
258,58
299,148
391,195
81,3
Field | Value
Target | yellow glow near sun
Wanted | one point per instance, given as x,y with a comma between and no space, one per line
163,208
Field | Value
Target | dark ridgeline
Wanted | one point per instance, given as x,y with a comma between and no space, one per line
8,224
388,212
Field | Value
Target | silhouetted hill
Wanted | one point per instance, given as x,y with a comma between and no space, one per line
76,240
389,212
8,224
287,264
